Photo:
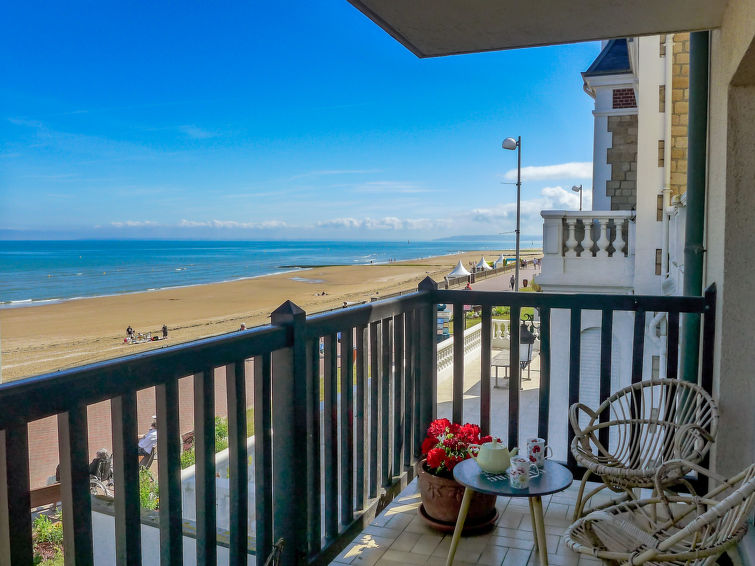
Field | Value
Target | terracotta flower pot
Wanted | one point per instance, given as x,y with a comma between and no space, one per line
441,499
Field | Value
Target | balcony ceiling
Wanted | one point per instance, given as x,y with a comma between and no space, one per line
431,28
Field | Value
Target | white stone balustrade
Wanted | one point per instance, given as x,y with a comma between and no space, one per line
500,337
587,248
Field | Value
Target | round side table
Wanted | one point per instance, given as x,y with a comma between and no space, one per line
552,479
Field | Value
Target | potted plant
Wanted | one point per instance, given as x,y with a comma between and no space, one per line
446,445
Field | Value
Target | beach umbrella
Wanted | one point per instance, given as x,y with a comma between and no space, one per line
459,271
482,264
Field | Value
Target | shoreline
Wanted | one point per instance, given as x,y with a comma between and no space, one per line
280,270
50,337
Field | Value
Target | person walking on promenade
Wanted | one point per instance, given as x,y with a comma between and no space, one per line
511,282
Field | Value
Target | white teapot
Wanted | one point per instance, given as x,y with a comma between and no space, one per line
493,457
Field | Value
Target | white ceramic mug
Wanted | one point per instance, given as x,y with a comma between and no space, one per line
519,472
537,451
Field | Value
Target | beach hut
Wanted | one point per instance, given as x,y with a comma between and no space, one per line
482,265
500,262
459,271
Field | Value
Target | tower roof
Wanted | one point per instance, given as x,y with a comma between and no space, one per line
613,60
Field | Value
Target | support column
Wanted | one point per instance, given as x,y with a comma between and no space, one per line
696,177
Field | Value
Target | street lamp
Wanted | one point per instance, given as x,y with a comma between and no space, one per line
511,143
578,189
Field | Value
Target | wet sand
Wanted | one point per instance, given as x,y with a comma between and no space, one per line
47,338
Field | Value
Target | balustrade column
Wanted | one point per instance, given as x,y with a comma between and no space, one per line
571,241
587,242
618,242
603,241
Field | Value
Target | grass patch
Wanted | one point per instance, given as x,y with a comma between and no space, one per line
48,540
188,457
149,495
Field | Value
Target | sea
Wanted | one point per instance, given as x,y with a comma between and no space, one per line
43,272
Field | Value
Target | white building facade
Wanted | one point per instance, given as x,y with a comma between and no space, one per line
632,240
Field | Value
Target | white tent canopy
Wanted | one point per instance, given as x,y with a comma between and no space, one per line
459,271
483,265
500,261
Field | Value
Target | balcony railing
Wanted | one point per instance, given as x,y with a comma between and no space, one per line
580,247
335,435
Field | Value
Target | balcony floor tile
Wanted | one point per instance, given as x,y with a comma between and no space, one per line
399,536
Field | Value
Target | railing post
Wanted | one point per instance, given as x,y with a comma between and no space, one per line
169,473
290,436
15,502
204,447
74,484
128,527
428,370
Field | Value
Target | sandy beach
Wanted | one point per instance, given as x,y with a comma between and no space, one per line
51,337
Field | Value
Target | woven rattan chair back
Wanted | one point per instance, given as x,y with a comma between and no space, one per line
647,423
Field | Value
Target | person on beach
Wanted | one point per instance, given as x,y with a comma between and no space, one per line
243,326
130,331
165,330
511,282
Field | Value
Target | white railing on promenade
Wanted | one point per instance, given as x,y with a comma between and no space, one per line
500,335
472,340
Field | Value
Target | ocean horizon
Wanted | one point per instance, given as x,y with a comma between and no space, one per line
35,272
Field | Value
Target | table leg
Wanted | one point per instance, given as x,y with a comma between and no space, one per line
465,501
532,518
537,504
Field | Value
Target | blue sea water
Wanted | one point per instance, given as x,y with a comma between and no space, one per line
38,272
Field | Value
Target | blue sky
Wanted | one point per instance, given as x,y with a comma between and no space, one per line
270,120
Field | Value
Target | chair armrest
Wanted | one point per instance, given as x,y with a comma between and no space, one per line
683,432
574,416
574,420
663,471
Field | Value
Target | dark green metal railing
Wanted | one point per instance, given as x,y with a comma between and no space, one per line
337,433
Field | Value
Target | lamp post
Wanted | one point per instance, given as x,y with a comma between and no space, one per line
578,189
511,143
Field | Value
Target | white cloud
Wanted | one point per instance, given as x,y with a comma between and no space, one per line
551,198
134,223
573,170
385,223
226,224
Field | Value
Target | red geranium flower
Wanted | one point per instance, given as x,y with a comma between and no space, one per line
428,443
449,443
435,457
438,427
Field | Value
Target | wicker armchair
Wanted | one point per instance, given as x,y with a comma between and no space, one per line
669,528
648,423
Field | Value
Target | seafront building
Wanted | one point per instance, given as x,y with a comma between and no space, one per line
328,457
632,241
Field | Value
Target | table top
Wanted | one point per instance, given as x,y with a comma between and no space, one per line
500,359
553,478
